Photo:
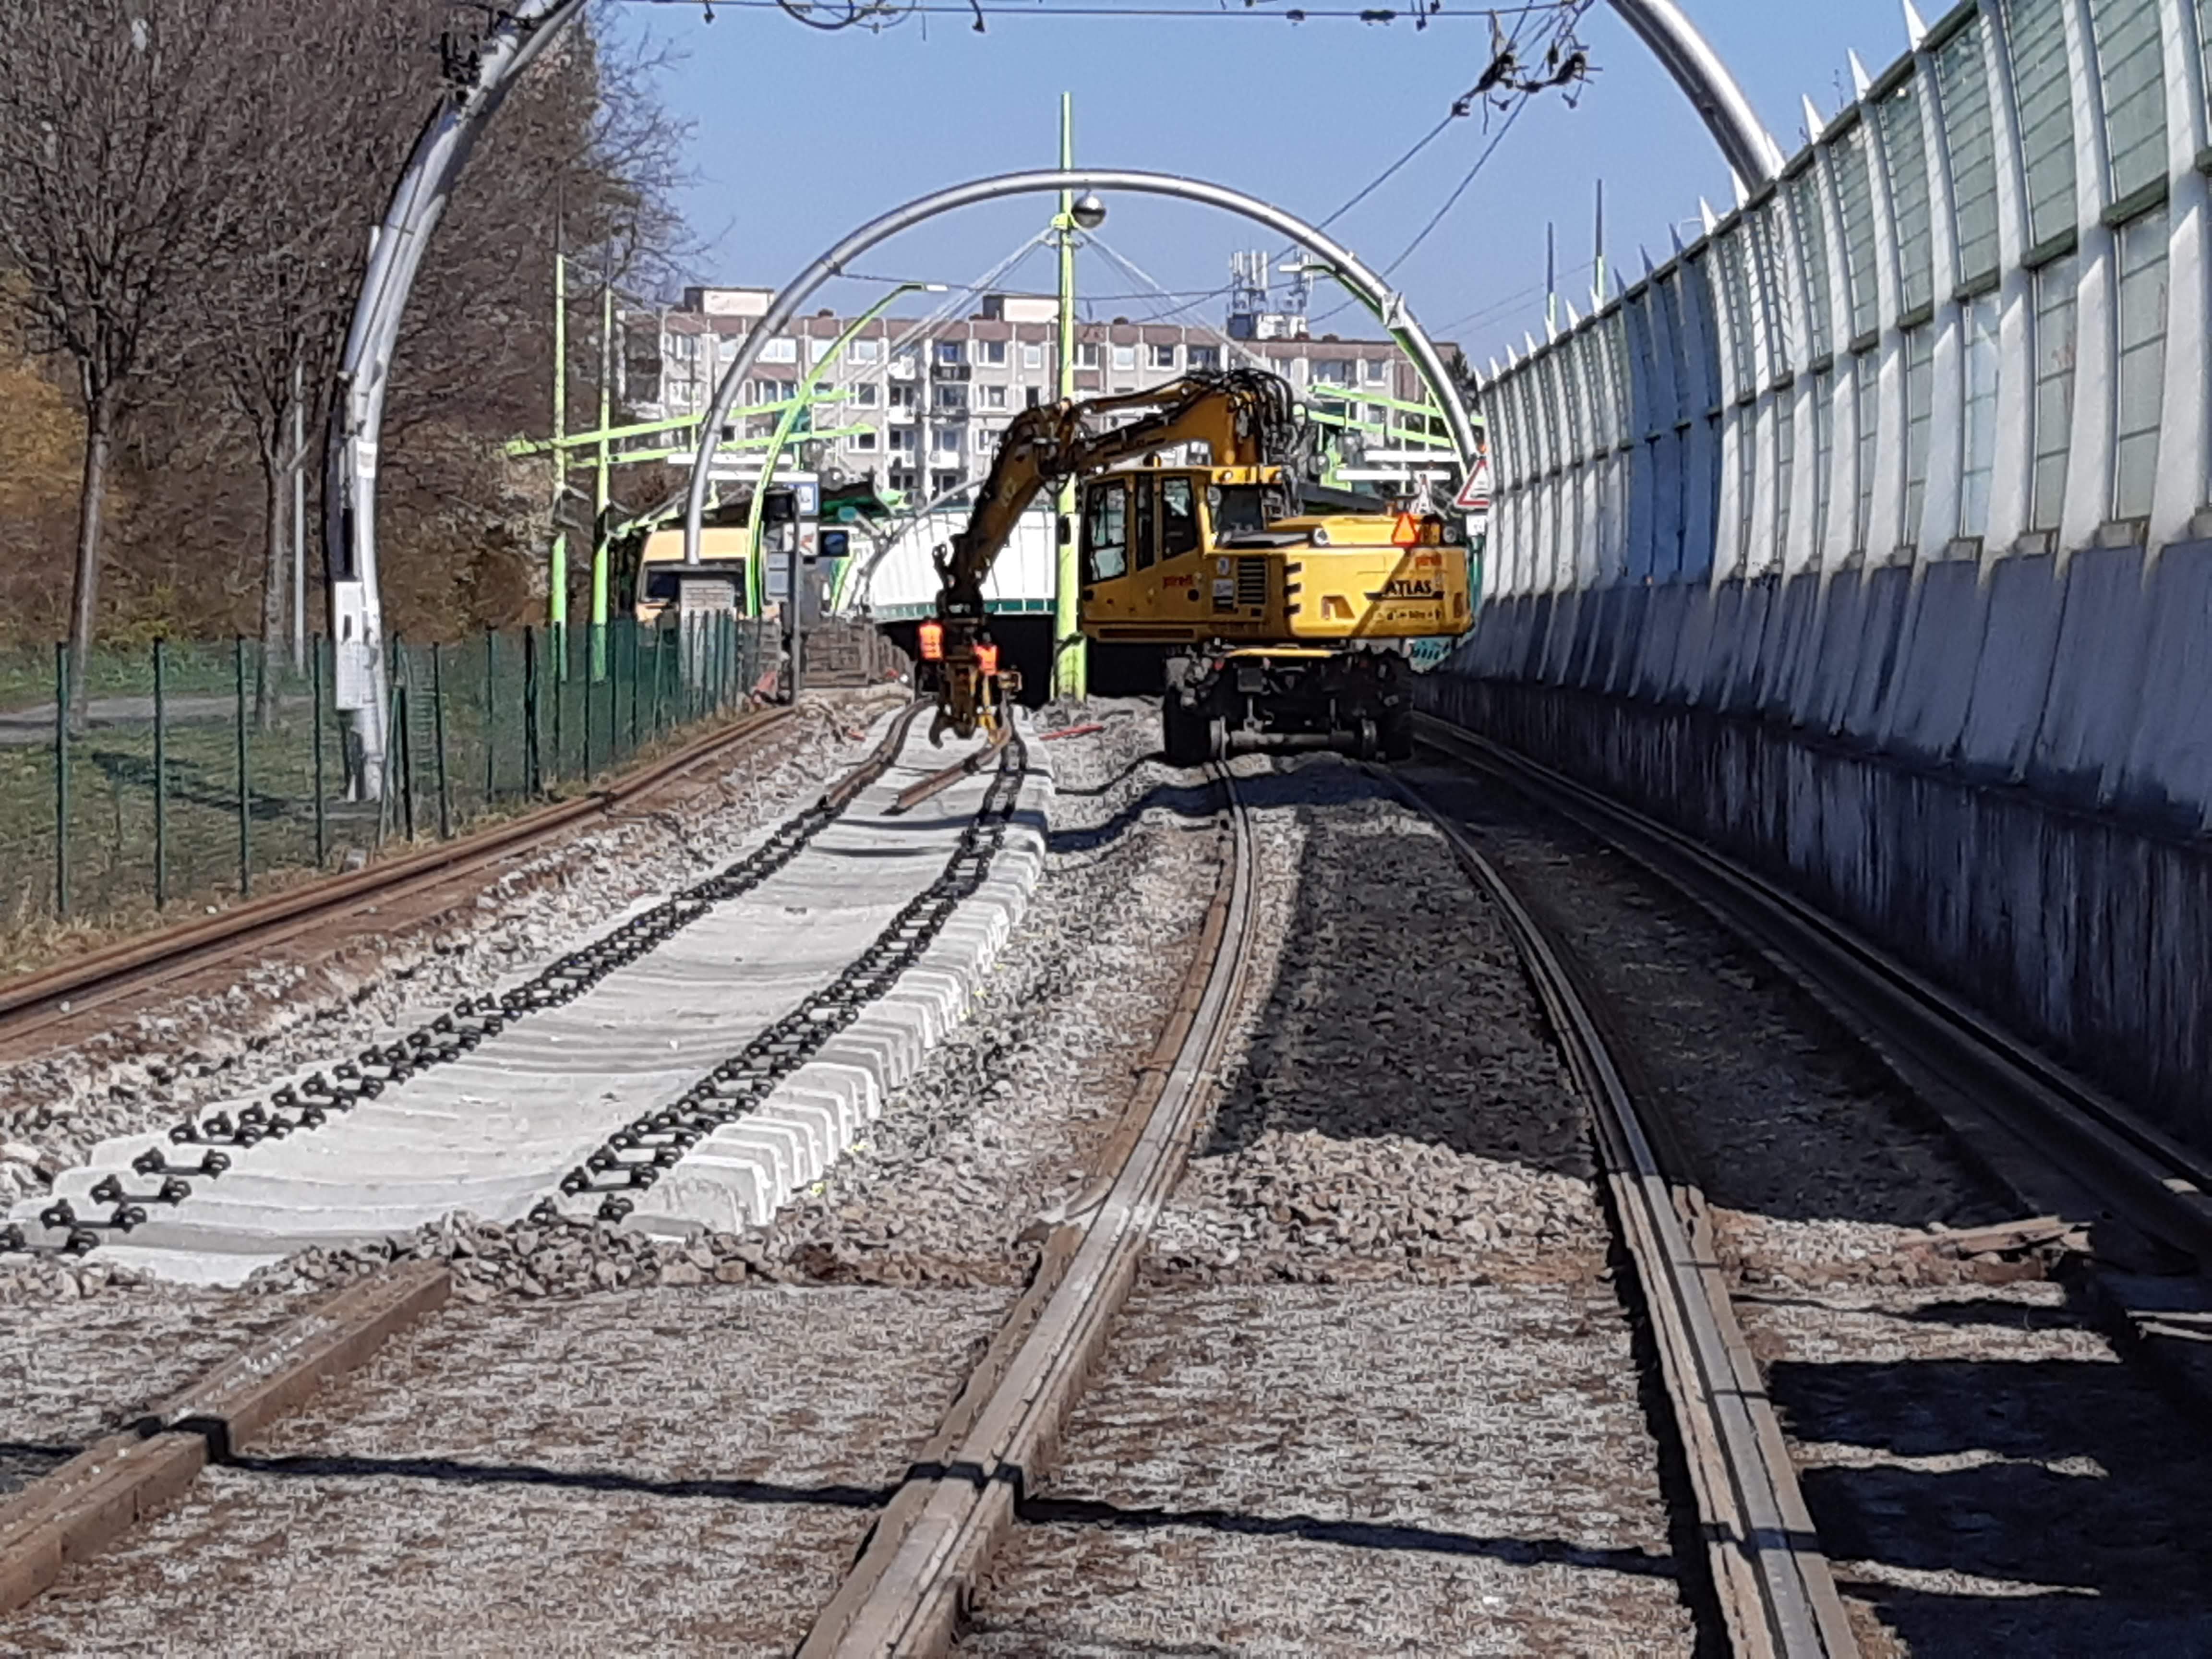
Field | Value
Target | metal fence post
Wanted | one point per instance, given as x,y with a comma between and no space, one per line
244,779
160,774
438,720
560,644
591,675
315,648
61,779
491,716
634,643
533,773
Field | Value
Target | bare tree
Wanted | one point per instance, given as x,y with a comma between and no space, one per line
117,136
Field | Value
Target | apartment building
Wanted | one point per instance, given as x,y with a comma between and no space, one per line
926,402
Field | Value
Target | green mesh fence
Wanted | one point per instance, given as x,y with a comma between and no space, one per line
200,769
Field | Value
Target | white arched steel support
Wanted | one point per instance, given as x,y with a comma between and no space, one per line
395,256
1384,301
1704,80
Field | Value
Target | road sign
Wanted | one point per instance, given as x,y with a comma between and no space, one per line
1474,494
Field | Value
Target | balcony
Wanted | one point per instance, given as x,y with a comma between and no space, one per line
952,371
901,368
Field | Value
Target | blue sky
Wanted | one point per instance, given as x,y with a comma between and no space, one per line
799,136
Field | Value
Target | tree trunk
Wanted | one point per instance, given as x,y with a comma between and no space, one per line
92,498
276,576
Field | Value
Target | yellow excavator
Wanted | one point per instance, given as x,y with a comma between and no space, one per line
1266,618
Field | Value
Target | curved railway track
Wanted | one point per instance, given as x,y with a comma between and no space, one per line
38,1002
2024,1118
914,1581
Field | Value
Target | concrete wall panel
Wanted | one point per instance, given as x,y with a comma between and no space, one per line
2096,673
2012,678
1937,662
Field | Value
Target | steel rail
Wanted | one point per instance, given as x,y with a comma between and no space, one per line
932,1544
2003,1099
1777,1595
43,998
205,1143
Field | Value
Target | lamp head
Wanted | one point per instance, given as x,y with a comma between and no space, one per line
1088,212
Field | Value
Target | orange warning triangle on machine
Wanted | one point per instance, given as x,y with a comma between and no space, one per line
1408,531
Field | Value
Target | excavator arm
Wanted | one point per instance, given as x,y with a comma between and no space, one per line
1246,417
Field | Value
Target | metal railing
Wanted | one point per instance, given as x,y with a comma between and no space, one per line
201,767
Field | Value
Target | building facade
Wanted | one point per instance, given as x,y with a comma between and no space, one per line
928,400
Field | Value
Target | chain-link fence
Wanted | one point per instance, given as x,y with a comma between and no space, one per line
201,768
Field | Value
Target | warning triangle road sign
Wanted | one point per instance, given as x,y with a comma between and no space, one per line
1474,494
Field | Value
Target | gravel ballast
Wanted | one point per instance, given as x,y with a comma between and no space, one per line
639,1472
1377,1392
1984,1472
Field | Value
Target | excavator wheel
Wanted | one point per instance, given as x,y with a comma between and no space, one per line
1398,733
1366,743
1184,735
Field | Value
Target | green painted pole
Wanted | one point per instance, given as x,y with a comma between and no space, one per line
322,816
1071,657
437,719
558,641
161,773
245,779
61,779
592,665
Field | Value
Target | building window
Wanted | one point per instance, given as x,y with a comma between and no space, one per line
1855,190
1161,356
1962,85
904,438
1033,395
994,397
990,351
944,483
1905,155
2035,34
1919,407
866,351
901,397
780,350
1125,356
945,441
1033,356
1868,399
1205,358
2140,386
2055,285
1374,370
2129,64
1978,374
986,440
864,394
952,397
865,438
952,351
1086,355
1332,371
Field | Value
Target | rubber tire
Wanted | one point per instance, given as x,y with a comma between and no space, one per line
1366,743
1182,732
1398,734
1216,740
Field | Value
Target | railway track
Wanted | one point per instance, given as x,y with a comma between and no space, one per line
68,991
1534,1420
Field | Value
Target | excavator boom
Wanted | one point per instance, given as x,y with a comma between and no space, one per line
1245,417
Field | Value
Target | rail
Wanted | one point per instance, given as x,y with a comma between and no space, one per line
41,1000
2002,1094
935,1539
1776,1594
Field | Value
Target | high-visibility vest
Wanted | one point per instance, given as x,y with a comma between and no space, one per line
986,659
932,642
